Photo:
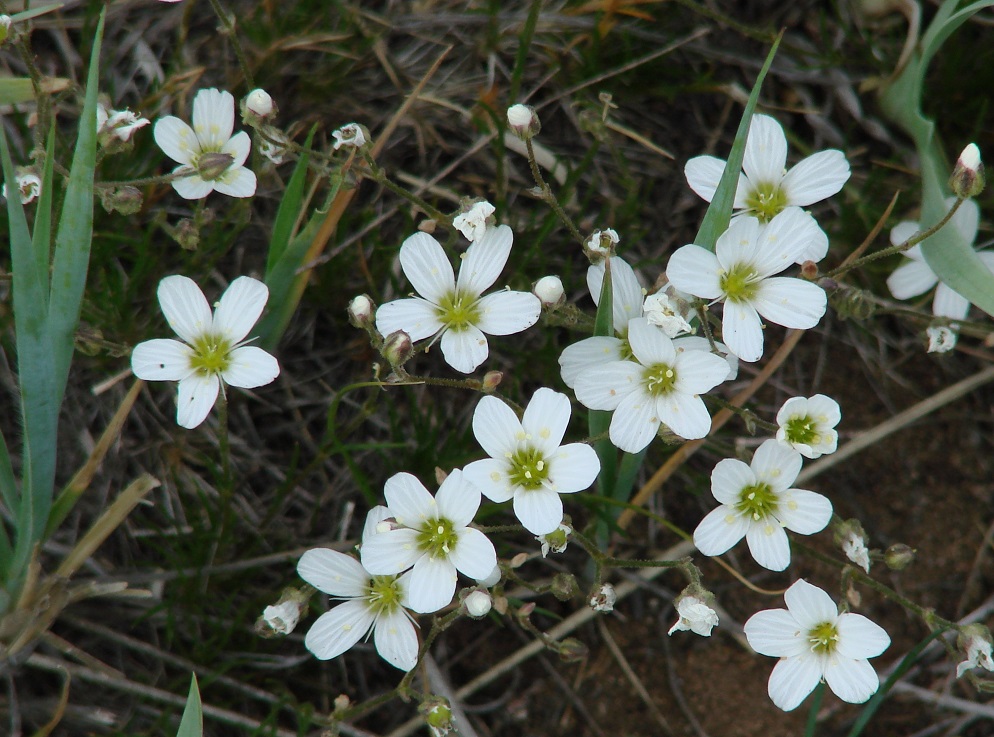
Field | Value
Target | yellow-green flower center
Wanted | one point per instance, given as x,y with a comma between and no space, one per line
211,354
528,468
758,501
739,283
383,594
659,379
802,430
824,638
458,310
766,201
437,538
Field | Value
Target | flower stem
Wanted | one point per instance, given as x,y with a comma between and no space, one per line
547,194
236,45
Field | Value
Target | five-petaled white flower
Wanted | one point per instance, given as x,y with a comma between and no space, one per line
473,223
527,462
694,615
808,425
741,272
214,351
432,535
374,603
209,157
757,502
814,643
454,309
767,188
658,385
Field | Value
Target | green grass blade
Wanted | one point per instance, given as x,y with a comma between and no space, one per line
524,48
945,23
192,723
289,210
719,212
41,235
599,421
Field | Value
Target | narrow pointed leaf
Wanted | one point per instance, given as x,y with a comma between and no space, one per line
192,723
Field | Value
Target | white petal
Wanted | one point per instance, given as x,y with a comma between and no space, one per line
768,544
742,331
484,260
729,477
490,477
695,270
374,516
336,631
853,681
474,554
793,679
506,313
604,386
409,501
816,178
465,349
239,308
903,232
333,572
825,410
396,639
698,372
775,632
649,344
237,181
586,353
776,464
859,637
948,303
433,582
213,118
910,279
185,307
250,367
416,317
546,418
458,500
810,605
793,303
496,427
966,219
703,175
176,139
804,512
765,151
192,187
684,414
626,292
721,529
573,467
197,394
391,552
427,267
161,360
238,147
811,240
539,510
635,422
783,240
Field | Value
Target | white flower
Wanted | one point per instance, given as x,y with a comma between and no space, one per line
556,541
669,309
214,351
478,604
915,277
757,503
814,643
209,156
767,188
433,536
741,272
473,223
28,186
527,462
454,309
694,615
371,603
808,425
260,102
604,599
349,135
282,618
659,385
854,546
977,646
120,124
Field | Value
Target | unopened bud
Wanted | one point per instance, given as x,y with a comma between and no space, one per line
478,604
361,311
398,348
259,103
898,556
491,380
549,290
571,650
438,715
967,179
187,234
523,121
564,586
126,199
519,560
213,164
809,270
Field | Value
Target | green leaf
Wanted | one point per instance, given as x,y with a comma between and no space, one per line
719,212
14,90
192,723
289,210
35,12
599,421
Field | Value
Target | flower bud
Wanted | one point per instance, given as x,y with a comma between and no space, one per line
898,556
809,270
941,338
361,310
477,604
603,599
851,537
694,612
601,244
260,103
186,233
523,121
352,134
571,650
213,164
967,179
473,220
281,618
974,641
398,348
491,380
564,586
5,21
28,185
438,715
125,199
549,290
